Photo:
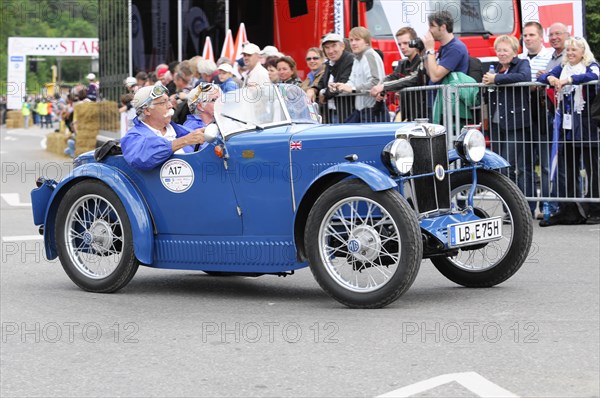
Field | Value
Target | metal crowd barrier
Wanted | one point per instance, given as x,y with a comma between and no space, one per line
548,162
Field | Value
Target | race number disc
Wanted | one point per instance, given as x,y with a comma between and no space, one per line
177,175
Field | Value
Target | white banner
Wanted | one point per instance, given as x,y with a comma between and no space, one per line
20,47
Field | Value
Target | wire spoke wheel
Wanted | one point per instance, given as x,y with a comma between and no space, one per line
93,236
364,247
486,203
491,263
360,244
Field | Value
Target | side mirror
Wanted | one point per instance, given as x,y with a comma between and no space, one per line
211,132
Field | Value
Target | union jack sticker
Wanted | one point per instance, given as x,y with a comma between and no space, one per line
296,145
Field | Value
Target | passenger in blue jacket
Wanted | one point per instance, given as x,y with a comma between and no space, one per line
509,110
153,137
579,131
201,101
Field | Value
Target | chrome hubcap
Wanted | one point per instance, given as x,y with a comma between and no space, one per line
364,243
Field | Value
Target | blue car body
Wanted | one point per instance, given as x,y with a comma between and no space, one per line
275,191
244,216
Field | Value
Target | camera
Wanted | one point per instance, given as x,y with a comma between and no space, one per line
417,43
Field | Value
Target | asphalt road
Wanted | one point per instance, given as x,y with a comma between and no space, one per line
181,333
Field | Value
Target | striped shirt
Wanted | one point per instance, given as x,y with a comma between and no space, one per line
539,61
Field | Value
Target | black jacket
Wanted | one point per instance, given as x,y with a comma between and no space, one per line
407,74
512,102
341,74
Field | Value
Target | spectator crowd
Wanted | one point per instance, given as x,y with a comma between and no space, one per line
346,77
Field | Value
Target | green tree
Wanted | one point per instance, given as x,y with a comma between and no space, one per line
592,19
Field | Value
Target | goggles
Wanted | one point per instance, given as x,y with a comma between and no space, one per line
202,88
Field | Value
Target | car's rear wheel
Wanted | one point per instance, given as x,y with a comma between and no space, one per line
364,247
492,263
93,237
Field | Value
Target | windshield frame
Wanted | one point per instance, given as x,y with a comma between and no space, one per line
224,115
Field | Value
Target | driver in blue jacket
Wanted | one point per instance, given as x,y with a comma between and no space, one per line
154,137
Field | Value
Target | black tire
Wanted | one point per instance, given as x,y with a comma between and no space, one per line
371,246
498,196
93,238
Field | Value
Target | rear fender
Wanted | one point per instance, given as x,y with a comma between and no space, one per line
135,205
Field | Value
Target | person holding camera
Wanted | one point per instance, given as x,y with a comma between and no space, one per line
453,55
408,73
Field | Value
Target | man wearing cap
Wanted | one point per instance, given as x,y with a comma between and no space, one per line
226,78
269,51
153,137
201,103
337,70
257,75
92,91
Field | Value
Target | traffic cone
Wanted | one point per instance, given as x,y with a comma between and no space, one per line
228,46
207,52
240,39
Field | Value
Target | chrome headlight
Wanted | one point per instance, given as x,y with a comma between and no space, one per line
470,145
398,156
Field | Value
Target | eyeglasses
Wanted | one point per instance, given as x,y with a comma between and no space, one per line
160,102
313,58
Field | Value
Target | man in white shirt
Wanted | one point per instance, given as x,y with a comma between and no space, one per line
257,75
153,137
539,56
534,50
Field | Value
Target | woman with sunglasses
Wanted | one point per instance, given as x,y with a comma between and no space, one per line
314,59
154,137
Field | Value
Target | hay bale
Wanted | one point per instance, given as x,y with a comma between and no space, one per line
11,124
83,145
56,143
14,115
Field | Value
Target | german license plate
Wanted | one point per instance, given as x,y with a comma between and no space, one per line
471,232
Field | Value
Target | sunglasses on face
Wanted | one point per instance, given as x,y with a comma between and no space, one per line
313,58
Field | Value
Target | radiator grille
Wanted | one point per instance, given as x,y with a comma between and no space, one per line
430,193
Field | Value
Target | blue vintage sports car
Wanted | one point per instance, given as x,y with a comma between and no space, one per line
361,205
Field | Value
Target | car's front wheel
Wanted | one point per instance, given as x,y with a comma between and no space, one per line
364,247
93,238
492,263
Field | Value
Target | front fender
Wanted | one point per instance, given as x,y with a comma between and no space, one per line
372,176
490,161
134,203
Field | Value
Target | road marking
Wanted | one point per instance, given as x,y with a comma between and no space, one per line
21,238
9,138
14,200
472,381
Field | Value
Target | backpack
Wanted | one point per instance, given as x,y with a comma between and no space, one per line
475,69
